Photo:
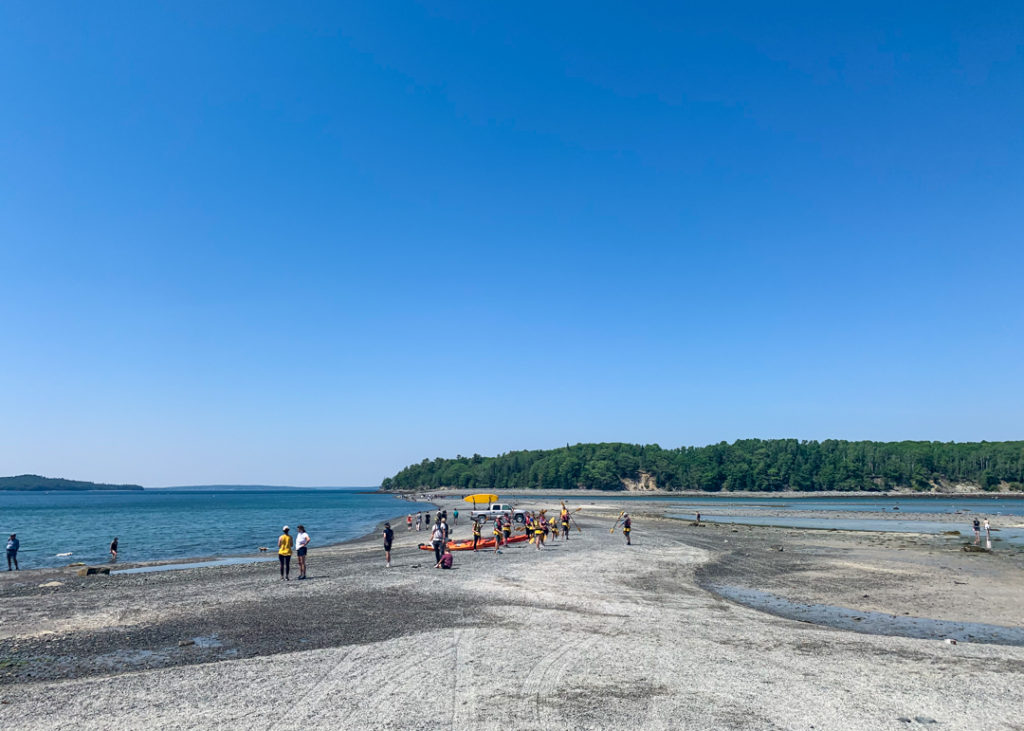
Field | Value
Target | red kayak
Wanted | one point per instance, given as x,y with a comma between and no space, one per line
468,545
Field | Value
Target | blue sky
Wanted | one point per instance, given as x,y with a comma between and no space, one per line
309,244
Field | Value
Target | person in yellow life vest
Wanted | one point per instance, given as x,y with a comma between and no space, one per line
497,534
565,524
627,528
538,531
476,533
284,553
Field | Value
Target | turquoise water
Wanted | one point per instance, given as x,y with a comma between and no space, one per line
159,525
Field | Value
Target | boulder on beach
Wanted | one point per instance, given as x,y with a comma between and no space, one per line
93,570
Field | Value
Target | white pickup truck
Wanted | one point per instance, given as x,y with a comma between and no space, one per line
496,509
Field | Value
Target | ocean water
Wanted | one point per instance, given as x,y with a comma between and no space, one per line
158,525
750,511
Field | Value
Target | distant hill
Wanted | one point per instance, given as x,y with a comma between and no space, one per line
768,465
35,482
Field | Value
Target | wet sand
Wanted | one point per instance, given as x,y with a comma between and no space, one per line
587,633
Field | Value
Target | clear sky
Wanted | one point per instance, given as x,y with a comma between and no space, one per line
311,243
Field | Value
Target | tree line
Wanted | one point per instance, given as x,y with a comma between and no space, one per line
764,465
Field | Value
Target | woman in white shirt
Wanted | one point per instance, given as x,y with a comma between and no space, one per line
301,545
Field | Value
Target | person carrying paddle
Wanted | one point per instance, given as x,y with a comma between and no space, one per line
627,527
506,528
565,524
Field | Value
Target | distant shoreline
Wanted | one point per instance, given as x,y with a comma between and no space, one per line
788,494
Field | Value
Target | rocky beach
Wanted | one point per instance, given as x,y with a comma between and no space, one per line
694,626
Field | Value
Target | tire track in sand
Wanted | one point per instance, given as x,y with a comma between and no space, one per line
544,675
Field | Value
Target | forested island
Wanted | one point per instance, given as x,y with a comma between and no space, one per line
763,465
35,482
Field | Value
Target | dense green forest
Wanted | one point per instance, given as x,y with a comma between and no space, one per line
35,482
747,464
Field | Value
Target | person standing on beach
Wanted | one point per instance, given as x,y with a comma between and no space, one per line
13,544
284,554
419,521
988,534
113,549
455,516
437,539
389,536
408,522
627,528
565,524
476,533
301,546
506,528
977,531
698,518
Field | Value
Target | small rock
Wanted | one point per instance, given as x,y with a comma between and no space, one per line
903,719
48,584
925,720
950,641
93,570
186,643
974,549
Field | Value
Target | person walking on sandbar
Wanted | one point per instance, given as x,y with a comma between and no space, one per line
13,544
977,531
113,549
284,554
627,528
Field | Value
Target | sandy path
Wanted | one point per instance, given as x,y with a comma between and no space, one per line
589,634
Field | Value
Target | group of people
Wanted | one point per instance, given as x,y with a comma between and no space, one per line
422,519
286,545
977,532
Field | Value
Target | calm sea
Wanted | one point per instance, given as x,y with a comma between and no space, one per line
157,525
